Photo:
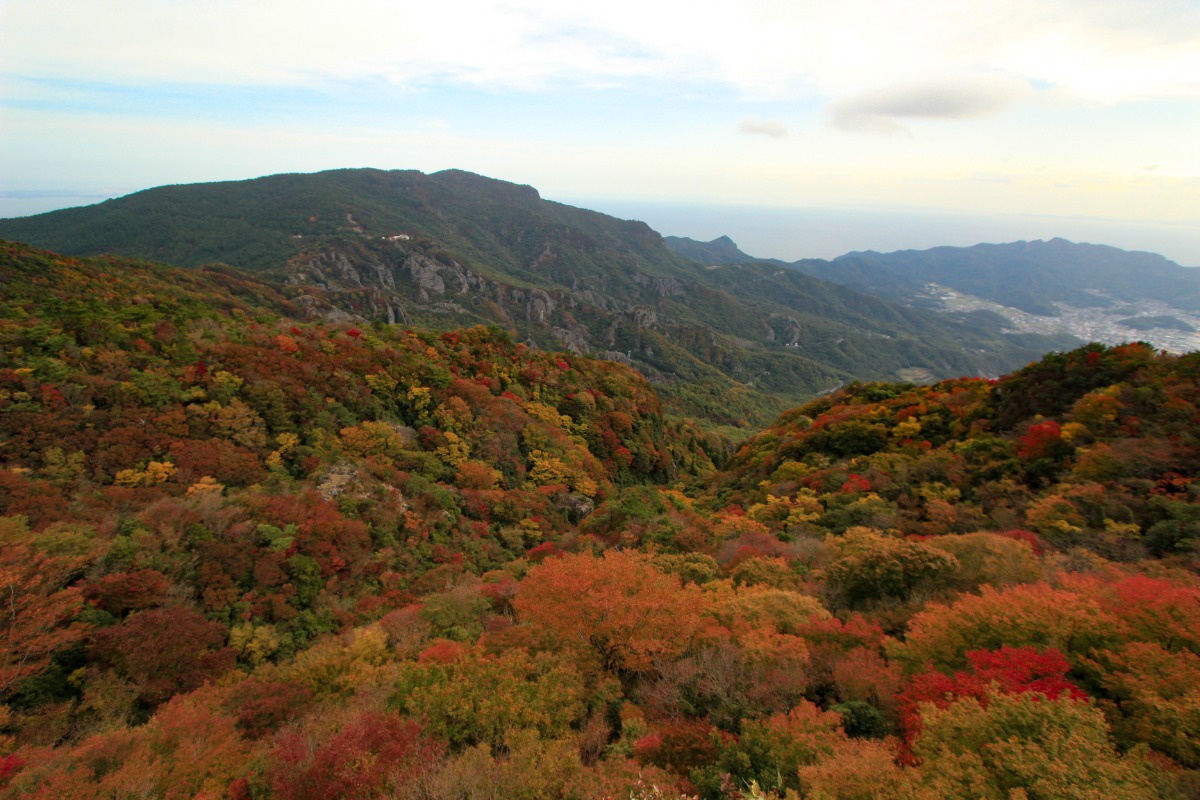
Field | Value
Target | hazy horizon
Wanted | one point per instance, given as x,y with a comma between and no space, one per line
794,233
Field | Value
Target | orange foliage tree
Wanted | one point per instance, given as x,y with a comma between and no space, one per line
36,611
617,606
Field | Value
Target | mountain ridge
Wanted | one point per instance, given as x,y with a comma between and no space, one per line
1096,292
1041,271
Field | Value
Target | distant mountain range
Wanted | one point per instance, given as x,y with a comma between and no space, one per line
1092,291
733,344
1031,276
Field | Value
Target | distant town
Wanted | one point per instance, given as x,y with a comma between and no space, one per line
1091,324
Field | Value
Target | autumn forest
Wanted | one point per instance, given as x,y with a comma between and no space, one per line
250,553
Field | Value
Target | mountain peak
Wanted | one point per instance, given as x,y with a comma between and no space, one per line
461,178
721,250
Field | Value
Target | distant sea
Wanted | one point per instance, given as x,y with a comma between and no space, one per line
26,202
791,234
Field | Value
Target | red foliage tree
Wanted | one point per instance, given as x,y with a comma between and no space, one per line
262,706
1009,670
370,755
123,592
680,745
164,651
223,460
37,612
1038,441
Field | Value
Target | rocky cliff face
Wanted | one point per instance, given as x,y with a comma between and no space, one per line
633,319
395,282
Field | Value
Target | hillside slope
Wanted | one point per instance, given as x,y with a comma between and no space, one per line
247,554
452,249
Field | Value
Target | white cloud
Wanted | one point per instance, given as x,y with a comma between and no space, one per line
1098,52
879,111
768,127
82,83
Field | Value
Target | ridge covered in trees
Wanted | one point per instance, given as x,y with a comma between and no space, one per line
250,555
452,249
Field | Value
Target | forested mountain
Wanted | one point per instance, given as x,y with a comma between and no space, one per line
500,227
733,345
250,552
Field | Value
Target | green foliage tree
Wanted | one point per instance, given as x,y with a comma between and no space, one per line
872,566
1023,745
481,699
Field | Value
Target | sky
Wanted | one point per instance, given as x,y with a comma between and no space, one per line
857,124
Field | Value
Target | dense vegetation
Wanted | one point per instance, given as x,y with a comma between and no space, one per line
734,346
247,555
